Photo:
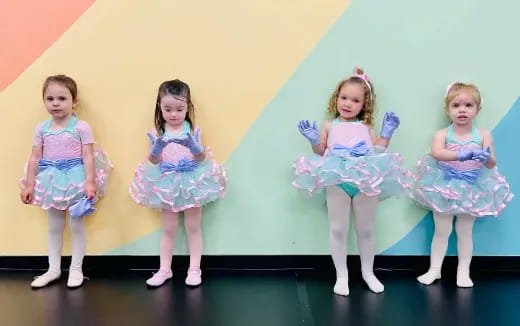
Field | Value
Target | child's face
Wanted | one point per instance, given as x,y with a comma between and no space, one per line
58,101
350,101
463,108
174,109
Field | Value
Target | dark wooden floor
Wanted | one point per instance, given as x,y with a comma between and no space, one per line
249,298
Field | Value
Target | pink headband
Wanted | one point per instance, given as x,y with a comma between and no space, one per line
363,77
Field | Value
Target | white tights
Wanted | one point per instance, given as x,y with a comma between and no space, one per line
170,223
339,204
56,220
443,228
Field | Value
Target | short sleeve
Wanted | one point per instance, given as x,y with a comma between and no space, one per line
38,135
85,132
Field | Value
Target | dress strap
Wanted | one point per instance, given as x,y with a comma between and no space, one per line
449,135
69,128
475,136
72,123
186,128
46,126
337,120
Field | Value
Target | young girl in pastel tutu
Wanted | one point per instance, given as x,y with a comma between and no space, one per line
459,178
179,175
351,164
66,171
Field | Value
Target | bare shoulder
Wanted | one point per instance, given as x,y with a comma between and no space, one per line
439,137
326,124
485,136
441,133
484,132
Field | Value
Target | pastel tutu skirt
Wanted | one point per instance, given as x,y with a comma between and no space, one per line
375,174
60,188
178,191
488,195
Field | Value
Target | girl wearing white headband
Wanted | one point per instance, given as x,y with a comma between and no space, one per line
459,177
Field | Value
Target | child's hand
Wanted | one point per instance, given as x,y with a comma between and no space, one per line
390,124
158,144
482,155
27,195
464,155
192,142
309,131
90,190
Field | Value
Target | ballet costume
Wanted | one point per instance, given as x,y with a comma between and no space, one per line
179,183
356,175
352,163
465,189
59,186
460,187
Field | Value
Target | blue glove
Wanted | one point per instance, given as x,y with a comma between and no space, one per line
464,155
309,132
158,144
390,124
82,207
191,142
482,155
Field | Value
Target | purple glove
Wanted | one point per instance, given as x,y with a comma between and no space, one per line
390,124
482,155
309,132
158,144
464,155
191,142
82,207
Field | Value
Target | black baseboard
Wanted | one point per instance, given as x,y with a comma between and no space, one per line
320,263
